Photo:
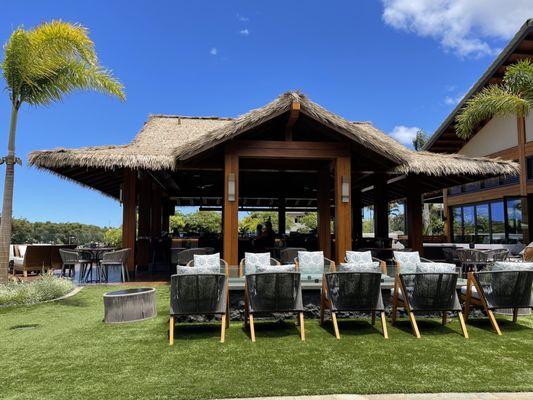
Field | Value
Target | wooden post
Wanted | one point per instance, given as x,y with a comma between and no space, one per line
282,218
165,217
381,209
231,208
447,216
324,212
156,206
414,219
145,201
343,208
527,218
357,215
129,211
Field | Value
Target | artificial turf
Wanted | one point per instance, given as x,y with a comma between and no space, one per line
63,350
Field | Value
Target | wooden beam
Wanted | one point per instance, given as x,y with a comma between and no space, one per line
357,214
324,212
414,218
129,213
521,125
447,216
155,208
294,113
145,201
231,209
343,209
381,208
284,149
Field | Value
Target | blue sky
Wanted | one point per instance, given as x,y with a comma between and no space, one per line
395,63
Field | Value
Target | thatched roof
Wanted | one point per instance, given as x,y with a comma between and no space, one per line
165,141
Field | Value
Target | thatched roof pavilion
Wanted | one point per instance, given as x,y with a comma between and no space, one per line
290,154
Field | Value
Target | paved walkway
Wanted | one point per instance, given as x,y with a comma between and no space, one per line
425,396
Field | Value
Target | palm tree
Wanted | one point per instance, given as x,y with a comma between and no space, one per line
40,66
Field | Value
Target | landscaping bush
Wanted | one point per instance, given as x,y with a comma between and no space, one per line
42,289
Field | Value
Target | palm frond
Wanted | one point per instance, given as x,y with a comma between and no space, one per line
491,101
518,78
46,63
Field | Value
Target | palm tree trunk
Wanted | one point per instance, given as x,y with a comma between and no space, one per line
7,206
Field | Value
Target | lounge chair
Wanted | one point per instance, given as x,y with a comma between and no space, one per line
364,257
199,294
352,291
426,292
313,264
288,254
184,256
252,260
115,259
501,287
273,292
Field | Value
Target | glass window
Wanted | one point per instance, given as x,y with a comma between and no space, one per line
469,224
482,223
514,220
497,215
457,224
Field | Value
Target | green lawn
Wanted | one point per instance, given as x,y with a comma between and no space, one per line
72,354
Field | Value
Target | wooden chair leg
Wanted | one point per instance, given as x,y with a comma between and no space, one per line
463,325
384,325
171,331
223,328
252,328
515,315
302,327
493,322
414,324
335,325
373,318
444,317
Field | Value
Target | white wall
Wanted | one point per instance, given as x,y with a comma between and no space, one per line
498,134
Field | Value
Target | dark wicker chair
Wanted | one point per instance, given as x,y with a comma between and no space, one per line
472,259
499,289
352,291
242,265
273,292
199,294
498,254
116,259
288,254
183,257
69,260
425,292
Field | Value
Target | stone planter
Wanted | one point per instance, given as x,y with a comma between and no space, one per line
129,305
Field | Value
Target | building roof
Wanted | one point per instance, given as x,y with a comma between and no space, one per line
444,139
165,142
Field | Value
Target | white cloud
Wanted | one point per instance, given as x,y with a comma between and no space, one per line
213,51
242,18
461,26
404,134
244,32
453,100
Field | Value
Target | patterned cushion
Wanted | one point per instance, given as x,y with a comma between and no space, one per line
211,261
360,267
311,262
254,260
428,267
183,270
407,261
276,268
357,257
511,266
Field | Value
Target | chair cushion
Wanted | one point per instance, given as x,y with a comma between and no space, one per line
183,270
407,257
511,266
276,268
254,260
357,257
311,262
372,266
475,293
428,267
211,261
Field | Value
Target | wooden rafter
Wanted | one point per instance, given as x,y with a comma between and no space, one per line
294,113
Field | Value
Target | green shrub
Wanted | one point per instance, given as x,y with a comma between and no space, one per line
42,289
